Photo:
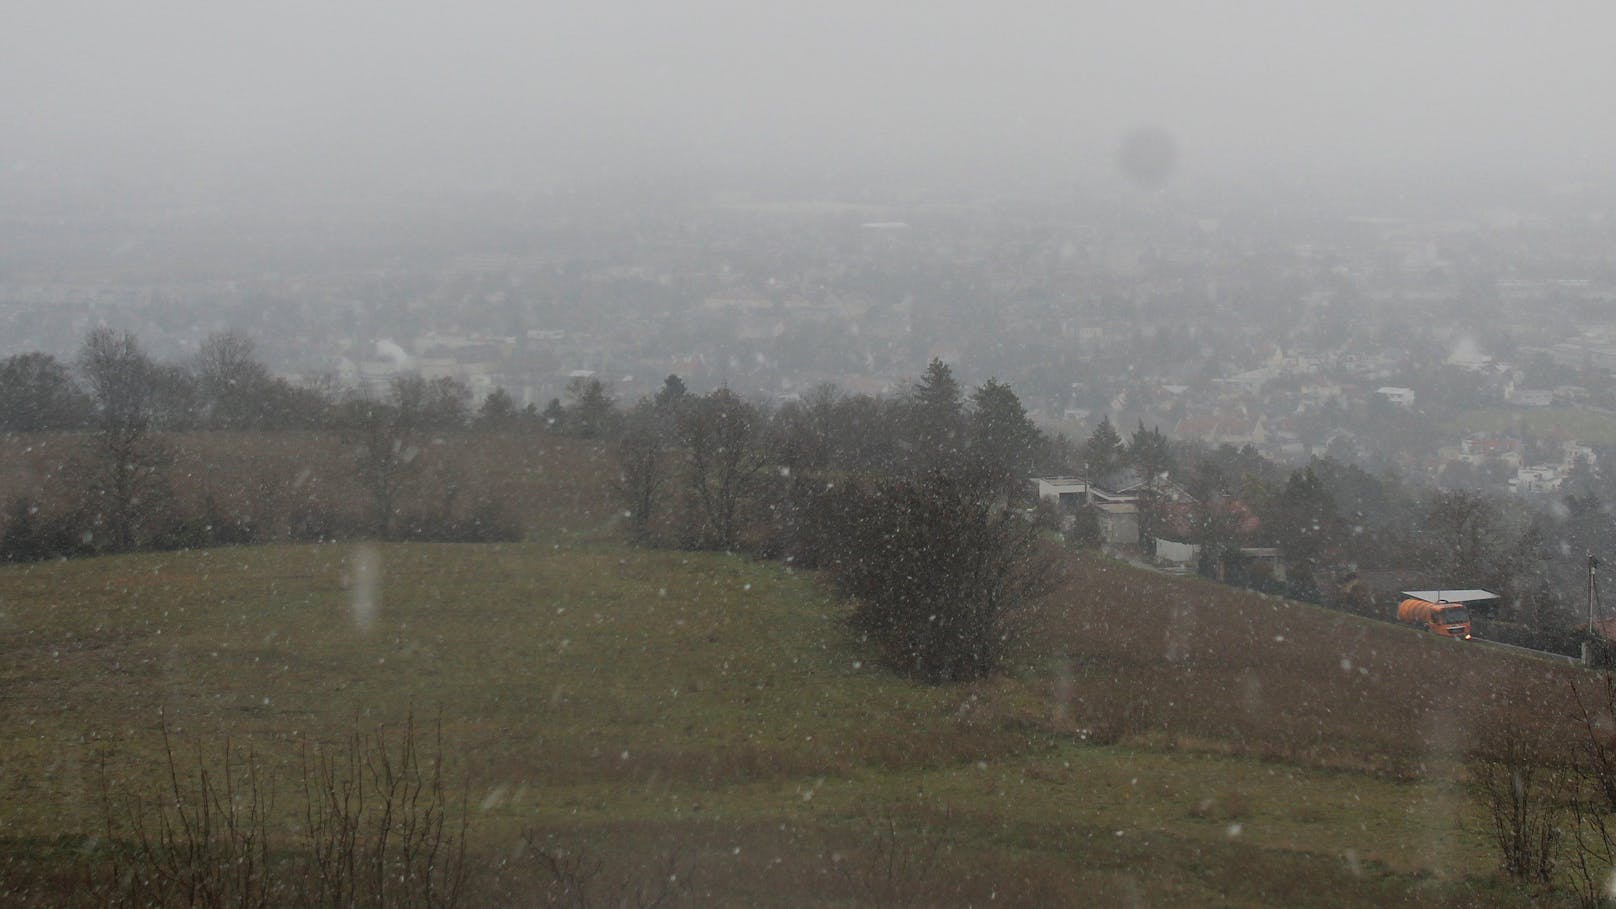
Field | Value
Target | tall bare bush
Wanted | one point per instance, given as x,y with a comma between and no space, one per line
373,826
722,435
128,461
1524,787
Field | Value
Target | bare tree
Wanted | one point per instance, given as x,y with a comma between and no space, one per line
1523,789
1464,537
233,385
176,401
721,432
1593,805
385,456
37,394
1218,526
431,404
129,461
644,459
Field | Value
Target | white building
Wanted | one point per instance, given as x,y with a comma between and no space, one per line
1402,397
1071,491
1536,480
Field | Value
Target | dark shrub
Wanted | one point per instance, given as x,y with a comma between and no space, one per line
939,574
29,535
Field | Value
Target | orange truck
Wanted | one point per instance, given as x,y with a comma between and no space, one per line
1447,616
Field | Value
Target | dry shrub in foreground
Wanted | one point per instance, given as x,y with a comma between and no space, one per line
1591,853
1523,788
899,864
578,879
1549,801
371,826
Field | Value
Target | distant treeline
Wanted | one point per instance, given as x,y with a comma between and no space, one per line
716,470
225,387
1328,520
115,490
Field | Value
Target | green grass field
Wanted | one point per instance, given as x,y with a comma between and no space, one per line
1586,426
1157,741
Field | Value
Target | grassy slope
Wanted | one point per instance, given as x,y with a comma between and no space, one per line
1193,661
637,703
648,699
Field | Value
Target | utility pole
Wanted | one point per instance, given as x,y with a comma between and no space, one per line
1593,591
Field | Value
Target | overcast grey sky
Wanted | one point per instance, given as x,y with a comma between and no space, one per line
286,97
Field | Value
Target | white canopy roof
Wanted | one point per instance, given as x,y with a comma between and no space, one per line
1450,596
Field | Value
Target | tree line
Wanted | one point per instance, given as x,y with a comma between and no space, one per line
225,387
1332,523
718,460
115,492
718,471
927,473
904,501
700,471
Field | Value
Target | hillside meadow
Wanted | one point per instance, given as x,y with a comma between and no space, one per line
706,726
1159,740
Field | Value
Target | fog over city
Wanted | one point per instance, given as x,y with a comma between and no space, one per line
261,102
818,452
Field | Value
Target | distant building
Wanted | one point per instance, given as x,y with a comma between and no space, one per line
1114,502
1528,397
1072,492
1572,451
1536,480
1119,523
1402,397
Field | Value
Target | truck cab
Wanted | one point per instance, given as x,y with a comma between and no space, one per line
1450,620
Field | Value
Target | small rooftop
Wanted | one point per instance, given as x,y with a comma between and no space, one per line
1073,484
1450,596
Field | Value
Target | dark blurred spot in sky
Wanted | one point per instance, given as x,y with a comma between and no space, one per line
1147,156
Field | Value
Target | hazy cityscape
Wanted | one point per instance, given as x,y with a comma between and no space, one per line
1467,344
832,454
